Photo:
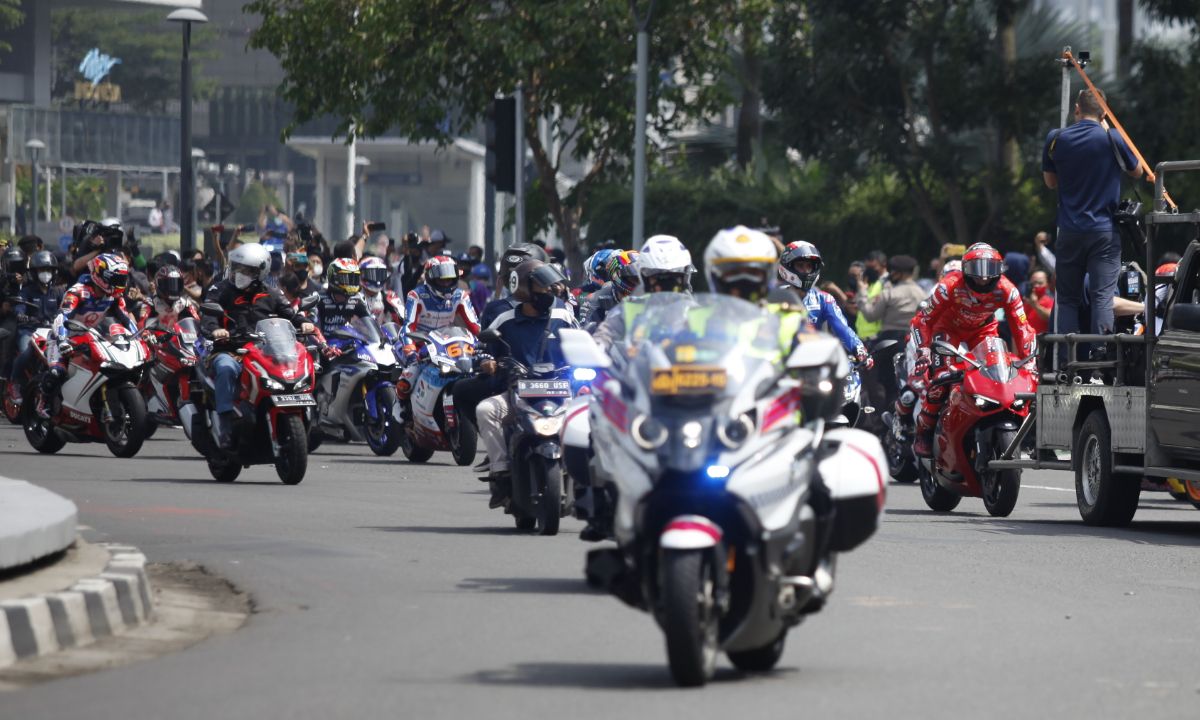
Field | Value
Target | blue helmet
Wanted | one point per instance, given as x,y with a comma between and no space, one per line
596,266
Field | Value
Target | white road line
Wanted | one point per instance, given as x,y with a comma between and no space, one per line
1047,487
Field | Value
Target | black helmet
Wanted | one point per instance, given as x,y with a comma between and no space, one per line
531,274
517,254
168,283
13,260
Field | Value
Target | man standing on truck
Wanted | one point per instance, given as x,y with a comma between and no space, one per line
1084,163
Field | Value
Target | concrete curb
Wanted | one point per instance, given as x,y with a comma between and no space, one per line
95,607
34,523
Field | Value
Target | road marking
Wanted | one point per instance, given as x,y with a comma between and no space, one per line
1047,487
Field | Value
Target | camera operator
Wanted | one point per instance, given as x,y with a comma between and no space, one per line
406,273
89,239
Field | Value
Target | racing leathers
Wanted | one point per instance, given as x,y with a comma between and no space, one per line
957,314
164,314
597,306
425,312
824,314
385,306
83,304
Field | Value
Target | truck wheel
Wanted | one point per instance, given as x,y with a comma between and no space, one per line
1102,497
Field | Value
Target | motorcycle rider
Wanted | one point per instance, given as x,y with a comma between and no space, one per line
622,272
384,304
962,310
530,331
12,276
596,270
170,304
664,264
41,298
341,302
98,294
800,267
436,303
246,299
513,256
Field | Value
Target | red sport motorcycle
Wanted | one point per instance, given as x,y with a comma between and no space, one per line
274,404
977,424
167,384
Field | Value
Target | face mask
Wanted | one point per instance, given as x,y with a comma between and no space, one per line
45,277
242,281
871,275
542,302
1039,292
316,271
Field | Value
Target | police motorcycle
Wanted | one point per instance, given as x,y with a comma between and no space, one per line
537,399
730,505
448,356
356,394
274,401
99,401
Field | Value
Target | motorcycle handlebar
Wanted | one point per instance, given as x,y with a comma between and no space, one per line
950,379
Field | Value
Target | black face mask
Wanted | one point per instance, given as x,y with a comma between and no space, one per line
542,302
870,275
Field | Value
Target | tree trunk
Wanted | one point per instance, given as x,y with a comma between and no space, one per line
1124,37
749,125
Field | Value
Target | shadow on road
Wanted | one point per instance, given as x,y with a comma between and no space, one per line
545,586
601,676
440,530
193,481
1185,533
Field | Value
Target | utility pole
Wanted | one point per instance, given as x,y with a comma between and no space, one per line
639,147
519,190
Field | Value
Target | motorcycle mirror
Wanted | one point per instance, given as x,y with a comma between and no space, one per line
423,337
492,336
817,350
581,350
212,310
946,349
309,302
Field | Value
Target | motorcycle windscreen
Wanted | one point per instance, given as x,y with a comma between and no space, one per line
694,355
366,330
279,339
993,353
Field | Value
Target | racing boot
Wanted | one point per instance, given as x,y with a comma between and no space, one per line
923,443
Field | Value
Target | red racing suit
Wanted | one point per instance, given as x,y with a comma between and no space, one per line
956,314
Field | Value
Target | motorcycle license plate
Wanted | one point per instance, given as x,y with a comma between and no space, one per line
688,380
304,400
543,388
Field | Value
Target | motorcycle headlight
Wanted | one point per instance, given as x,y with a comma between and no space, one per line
984,402
647,433
548,425
272,384
734,433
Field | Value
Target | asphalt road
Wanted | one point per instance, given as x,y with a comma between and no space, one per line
384,589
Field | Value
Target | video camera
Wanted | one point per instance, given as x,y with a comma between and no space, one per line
114,237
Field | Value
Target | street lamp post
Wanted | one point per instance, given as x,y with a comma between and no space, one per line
187,176
639,147
198,156
35,148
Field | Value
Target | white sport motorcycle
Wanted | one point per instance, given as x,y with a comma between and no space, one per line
729,507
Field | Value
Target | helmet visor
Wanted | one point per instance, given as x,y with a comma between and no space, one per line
170,287
983,268
374,277
546,276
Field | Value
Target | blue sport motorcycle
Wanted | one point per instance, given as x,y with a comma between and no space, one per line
356,392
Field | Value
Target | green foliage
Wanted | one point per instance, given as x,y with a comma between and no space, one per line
148,46
254,198
11,16
85,195
430,68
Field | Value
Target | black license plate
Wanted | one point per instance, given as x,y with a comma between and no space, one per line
543,388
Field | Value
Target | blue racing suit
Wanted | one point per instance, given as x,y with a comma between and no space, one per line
824,314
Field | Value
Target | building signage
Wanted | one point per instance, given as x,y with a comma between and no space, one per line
95,67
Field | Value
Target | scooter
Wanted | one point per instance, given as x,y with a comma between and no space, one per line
435,423
99,401
731,506
273,403
979,422
356,395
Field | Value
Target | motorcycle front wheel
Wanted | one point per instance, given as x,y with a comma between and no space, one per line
125,432
292,461
383,434
689,614
545,477
413,452
1000,487
464,441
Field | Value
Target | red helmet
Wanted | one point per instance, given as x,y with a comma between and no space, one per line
982,267
110,274
1166,269
441,275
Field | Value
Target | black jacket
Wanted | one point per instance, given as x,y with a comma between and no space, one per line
244,308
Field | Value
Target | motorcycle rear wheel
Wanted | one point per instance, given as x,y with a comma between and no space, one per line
938,498
383,436
546,478
292,461
1001,487
759,659
689,615
125,434
900,467
40,433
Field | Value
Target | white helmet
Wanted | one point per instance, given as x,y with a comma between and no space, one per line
740,261
248,264
951,266
665,265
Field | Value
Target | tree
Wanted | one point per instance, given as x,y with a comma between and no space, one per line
11,17
430,68
147,46
925,87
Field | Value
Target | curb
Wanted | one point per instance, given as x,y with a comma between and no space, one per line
34,523
96,607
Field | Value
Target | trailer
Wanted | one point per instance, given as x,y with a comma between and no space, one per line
1136,413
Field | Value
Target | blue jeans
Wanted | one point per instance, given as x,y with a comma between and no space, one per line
226,369
24,353
1098,256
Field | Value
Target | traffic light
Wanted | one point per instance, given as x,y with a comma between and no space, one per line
501,130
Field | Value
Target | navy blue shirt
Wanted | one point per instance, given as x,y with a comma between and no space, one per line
527,336
1089,178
